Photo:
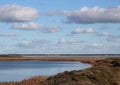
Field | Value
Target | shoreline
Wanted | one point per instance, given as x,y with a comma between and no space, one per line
89,60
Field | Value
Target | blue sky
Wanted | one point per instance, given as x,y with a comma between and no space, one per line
60,27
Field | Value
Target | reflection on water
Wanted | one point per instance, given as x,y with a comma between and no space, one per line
19,70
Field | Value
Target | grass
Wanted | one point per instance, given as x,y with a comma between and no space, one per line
93,76
106,73
32,81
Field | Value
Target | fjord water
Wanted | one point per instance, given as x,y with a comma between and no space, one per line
19,70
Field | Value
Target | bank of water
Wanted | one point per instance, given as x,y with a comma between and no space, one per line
19,70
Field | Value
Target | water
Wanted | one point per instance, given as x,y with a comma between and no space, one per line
19,70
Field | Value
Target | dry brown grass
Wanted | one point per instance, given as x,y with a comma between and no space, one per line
31,81
90,60
104,72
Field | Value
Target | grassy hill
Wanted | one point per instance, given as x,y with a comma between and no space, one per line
105,72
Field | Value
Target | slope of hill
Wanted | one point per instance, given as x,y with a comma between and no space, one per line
105,72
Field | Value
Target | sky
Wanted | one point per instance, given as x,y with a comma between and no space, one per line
59,26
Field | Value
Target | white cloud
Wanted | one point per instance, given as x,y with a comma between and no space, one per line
8,35
87,15
81,30
104,34
110,37
27,26
95,45
17,13
50,29
104,27
78,30
113,38
33,43
26,42
69,41
89,30
72,41
36,26
62,41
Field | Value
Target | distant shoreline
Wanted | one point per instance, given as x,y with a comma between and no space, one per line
89,60
47,55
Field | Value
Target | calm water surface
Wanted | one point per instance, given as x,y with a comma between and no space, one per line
19,70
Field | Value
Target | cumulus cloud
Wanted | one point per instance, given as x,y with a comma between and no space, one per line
33,43
69,41
87,15
95,45
17,13
110,37
27,42
114,38
104,28
8,35
107,34
27,26
72,41
81,30
50,29
104,34
62,41
36,26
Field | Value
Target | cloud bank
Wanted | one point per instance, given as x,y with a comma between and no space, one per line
81,30
93,15
50,29
69,41
8,35
27,26
36,26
